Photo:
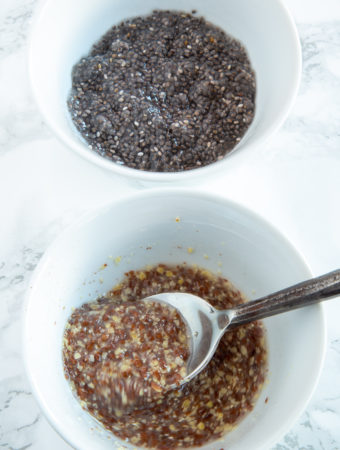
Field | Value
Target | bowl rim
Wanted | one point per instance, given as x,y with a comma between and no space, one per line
218,199
79,148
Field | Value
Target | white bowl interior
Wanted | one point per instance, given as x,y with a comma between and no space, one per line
142,230
65,31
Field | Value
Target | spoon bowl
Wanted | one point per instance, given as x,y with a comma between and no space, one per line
206,325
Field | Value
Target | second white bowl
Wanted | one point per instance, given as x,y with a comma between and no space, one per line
140,230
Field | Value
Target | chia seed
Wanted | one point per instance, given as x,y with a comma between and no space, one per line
167,92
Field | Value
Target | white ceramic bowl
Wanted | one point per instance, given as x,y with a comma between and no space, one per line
140,230
64,31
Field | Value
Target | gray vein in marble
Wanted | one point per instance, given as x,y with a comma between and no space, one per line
14,27
335,345
312,127
21,127
29,424
14,277
291,440
307,430
316,43
6,445
19,412
20,120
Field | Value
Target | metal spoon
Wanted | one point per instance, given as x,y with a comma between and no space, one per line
206,325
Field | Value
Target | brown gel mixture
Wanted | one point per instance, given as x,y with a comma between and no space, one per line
194,414
138,350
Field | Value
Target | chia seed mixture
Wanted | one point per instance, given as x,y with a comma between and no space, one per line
166,92
194,414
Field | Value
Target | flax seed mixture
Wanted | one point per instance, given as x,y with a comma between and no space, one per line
198,412
166,92
138,350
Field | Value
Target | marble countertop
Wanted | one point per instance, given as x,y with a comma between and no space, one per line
293,181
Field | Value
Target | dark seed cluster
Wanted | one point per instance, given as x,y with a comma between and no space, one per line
166,92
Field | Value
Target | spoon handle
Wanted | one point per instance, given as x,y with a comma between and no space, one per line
302,294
